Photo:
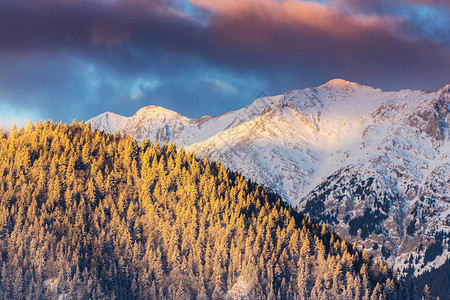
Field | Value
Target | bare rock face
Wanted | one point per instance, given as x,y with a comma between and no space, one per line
373,164
433,121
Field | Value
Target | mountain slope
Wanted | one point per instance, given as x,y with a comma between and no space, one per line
341,152
86,215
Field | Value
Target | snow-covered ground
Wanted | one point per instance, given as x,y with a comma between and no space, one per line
374,164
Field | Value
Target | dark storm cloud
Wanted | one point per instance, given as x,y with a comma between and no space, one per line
296,33
67,59
86,25
429,20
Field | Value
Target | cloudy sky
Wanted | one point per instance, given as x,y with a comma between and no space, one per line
66,59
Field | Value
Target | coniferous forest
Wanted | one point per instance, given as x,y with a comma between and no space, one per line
86,215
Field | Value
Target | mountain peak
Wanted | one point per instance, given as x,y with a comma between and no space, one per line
337,82
154,111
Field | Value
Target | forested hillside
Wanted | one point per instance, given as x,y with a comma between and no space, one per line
372,164
88,215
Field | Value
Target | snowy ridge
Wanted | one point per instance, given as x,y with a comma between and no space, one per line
341,152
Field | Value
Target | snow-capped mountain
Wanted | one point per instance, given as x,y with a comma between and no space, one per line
373,164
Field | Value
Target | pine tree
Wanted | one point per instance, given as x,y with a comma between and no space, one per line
107,219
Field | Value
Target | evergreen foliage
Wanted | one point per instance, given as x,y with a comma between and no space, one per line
434,283
86,215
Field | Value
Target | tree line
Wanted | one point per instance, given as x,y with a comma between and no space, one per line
89,215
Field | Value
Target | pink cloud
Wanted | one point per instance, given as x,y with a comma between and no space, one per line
318,37
299,14
308,26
